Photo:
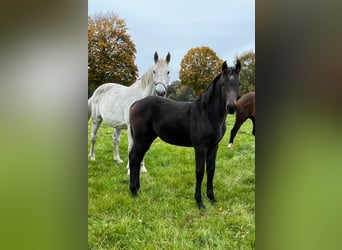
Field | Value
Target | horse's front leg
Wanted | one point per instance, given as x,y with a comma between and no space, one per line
96,121
116,140
200,155
211,159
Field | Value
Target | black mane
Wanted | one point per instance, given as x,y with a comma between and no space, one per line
205,96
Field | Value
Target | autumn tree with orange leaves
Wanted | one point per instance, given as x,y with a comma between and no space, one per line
199,67
111,52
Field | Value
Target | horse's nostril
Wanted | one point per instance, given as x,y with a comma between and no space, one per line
231,108
160,89
161,93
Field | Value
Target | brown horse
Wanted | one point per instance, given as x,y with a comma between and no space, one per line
200,124
245,109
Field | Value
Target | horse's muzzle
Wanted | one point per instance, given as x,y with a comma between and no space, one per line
161,93
231,108
160,89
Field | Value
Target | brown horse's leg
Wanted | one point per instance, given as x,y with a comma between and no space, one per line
211,159
200,155
253,120
240,118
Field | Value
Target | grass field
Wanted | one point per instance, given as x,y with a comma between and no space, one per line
165,215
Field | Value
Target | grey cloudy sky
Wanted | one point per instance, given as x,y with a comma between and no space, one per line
227,27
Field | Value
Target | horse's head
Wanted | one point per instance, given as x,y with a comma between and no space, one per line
230,82
161,74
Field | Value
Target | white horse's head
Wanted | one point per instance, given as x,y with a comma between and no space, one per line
158,76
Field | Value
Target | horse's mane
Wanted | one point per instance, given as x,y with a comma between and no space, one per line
205,96
147,77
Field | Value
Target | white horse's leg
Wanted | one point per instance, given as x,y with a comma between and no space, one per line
116,140
130,145
94,127
142,166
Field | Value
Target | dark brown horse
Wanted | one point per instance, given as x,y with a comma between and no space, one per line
245,109
200,124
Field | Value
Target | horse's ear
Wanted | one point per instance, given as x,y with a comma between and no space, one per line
237,67
168,57
155,57
224,67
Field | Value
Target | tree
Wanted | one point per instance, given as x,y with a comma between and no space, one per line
178,92
111,52
199,67
247,74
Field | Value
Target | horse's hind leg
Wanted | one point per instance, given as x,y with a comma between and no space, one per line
143,168
130,145
253,120
116,140
96,121
134,164
233,132
136,155
240,118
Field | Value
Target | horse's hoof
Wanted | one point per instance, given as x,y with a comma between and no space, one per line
92,158
128,172
143,169
230,145
118,160
213,201
134,194
201,206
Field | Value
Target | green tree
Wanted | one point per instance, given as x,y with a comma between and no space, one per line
199,67
178,92
111,52
247,74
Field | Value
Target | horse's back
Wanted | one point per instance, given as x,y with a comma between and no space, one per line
250,97
246,104
105,90
108,103
162,117
153,107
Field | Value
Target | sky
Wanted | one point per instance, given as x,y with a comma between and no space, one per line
225,26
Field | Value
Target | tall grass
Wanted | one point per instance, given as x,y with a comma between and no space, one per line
165,215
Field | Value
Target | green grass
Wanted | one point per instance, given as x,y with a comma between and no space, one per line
165,215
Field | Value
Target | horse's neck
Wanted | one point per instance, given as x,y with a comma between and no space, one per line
147,88
215,107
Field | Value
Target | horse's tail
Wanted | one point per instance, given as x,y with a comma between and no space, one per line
89,107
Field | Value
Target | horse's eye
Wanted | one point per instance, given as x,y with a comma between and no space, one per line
168,72
154,72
